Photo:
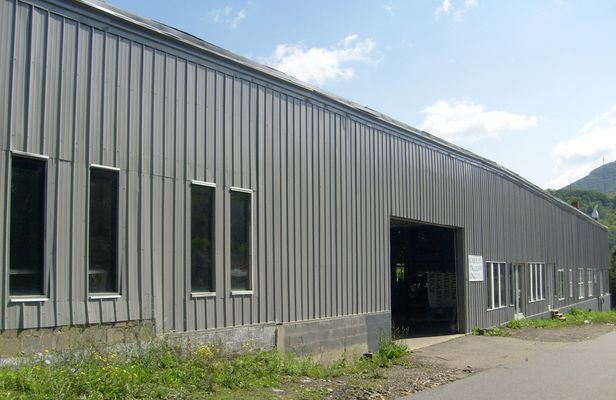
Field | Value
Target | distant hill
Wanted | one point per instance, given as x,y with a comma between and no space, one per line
602,179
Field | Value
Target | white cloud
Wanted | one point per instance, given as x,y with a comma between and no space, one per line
466,120
445,7
457,12
320,64
388,8
228,17
576,157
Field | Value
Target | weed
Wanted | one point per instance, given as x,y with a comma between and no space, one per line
400,332
495,331
390,353
575,311
574,317
166,371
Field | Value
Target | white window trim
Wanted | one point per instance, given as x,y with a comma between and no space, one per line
29,155
45,295
199,295
537,292
250,290
107,167
242,292
541,294
570,282
244,190
560,298
203,183
511,292
590,282
492,292
581,283
104,295
532,289
28,299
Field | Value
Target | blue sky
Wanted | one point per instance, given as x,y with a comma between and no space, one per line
528,84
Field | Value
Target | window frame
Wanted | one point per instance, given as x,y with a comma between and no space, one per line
251,267
502,285
536,290
560,284
590,281
511,283
581,283
571,292
212,293
118,279
44,295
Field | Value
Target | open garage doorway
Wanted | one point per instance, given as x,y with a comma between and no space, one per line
424,290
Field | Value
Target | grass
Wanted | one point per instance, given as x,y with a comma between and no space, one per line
496,331
574,317
164,371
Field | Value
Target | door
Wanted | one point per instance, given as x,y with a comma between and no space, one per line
516,285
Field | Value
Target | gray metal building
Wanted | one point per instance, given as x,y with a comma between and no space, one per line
161,179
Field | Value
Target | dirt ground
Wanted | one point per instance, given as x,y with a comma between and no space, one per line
444,362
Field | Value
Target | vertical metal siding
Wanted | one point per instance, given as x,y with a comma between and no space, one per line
326,182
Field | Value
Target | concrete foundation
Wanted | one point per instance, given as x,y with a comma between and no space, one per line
229,339
28,341
329,338
323,338
601,303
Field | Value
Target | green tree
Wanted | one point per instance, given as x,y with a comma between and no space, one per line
587,199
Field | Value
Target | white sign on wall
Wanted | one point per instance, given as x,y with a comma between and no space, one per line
475,268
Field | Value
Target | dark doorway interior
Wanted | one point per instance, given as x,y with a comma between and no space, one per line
423,279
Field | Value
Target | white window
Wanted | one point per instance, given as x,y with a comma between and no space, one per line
590,277
560,284
580,283
511,281
496,285
536,281
570,283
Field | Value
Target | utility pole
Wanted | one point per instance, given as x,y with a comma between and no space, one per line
604,185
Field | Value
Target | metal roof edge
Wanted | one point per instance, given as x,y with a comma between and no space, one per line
194,41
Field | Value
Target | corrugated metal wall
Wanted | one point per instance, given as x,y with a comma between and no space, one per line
85,89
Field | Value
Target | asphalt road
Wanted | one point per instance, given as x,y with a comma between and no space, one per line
582,370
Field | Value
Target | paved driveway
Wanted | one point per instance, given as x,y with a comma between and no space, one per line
583,370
